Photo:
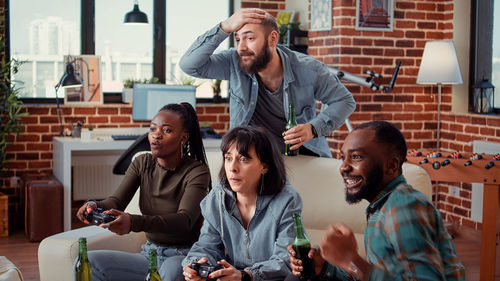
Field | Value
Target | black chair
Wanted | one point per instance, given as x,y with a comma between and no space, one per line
140,144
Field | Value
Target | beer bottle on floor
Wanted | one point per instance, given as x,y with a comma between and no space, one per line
292,122
153,274
82,268
301,246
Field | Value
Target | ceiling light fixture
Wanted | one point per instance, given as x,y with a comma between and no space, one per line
135,16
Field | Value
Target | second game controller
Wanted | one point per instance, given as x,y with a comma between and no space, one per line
204,269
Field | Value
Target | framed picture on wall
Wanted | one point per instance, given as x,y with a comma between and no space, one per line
88,70
285,17
321,15
375,15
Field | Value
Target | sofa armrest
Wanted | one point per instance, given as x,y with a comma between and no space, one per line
56,253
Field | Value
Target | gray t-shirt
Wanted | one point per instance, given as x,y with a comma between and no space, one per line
269,113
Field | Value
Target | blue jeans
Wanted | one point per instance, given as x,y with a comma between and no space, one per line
113,265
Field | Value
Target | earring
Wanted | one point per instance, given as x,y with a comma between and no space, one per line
188,148
182,150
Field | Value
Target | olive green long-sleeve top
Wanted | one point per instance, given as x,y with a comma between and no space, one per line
169,200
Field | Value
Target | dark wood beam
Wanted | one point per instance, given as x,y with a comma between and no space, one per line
88,27
159,39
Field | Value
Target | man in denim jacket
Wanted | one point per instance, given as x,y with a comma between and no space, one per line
265,78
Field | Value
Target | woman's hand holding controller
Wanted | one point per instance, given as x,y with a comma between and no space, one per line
121,225
88,207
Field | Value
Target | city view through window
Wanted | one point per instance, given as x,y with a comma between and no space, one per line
43,32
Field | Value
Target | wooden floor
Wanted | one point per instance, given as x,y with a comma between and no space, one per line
24,254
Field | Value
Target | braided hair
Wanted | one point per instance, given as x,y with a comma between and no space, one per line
193,147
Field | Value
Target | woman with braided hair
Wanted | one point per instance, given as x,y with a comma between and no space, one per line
173,179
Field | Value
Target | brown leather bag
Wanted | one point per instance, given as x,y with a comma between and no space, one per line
43,207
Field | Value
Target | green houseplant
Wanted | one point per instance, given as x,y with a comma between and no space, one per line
129,83
284,28
217,89
128,87
10,105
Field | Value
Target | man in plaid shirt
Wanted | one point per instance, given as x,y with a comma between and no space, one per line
405,238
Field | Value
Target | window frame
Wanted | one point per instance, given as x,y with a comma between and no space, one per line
481,47
87,29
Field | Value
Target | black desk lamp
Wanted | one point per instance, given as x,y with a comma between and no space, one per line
68,80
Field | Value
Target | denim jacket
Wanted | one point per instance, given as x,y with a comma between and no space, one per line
261,248
305,80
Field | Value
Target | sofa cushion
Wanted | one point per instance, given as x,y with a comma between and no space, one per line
316,179
321,187
322,190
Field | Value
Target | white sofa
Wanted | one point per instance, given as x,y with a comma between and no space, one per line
317,179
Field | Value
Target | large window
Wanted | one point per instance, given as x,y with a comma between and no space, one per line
125,50
184,24
42,32
485,47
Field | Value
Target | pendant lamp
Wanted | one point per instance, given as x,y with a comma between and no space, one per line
135,16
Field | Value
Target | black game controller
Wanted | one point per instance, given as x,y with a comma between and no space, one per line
97,217
204,269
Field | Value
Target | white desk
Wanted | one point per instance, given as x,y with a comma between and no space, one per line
63,148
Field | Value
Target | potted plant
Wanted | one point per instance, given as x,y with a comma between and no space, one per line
10,105
284,32
128,87
188,80
216,88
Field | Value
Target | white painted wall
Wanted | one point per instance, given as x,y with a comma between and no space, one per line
301,8
461,38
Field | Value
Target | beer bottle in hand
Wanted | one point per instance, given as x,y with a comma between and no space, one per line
82,268
292,122
301,246
153,274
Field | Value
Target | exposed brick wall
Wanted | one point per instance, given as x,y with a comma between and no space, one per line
272,6
412,107
31,151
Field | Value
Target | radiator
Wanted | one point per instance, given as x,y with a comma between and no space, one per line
93,176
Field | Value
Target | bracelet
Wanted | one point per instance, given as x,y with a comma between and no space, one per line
314,132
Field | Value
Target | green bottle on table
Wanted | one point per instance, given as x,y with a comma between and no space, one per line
82,268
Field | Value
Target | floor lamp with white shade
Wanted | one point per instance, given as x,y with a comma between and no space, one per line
439,66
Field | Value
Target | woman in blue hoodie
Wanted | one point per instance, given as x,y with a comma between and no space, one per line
248,214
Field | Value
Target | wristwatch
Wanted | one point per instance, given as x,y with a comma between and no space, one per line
315,134
245,276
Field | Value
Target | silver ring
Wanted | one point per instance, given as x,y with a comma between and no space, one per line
300,140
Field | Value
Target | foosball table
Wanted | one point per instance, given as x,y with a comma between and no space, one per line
469,168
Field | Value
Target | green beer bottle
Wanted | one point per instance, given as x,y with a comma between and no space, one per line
82,268
153,274
301,246
290,124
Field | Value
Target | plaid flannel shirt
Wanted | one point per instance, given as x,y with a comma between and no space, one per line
405,239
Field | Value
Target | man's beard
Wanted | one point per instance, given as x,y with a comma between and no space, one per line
370,188
260,61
